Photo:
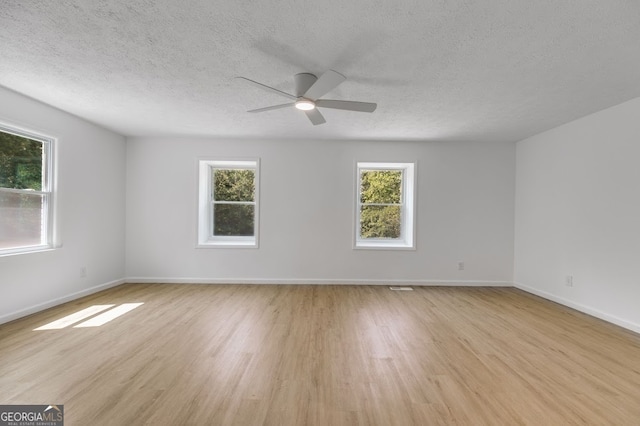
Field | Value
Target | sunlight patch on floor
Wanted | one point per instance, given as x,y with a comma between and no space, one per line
74,318
96,321
108,316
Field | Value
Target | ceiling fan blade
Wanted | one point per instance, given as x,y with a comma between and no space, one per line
315,117
327,82
268,88
269,108
347,105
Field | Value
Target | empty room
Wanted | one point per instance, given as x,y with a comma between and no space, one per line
319,213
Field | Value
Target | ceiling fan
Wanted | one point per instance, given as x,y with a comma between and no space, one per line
309,90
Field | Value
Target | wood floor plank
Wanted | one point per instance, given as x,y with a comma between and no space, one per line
325,355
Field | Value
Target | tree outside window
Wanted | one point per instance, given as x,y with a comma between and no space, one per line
384,205
228,203
25,192
380,203
233,202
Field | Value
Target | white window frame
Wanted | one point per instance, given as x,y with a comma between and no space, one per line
47,230
407,239
206,239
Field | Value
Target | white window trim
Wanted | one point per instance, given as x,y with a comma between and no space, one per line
206,239
407,240
49,235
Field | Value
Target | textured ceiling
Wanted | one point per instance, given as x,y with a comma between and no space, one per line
496,70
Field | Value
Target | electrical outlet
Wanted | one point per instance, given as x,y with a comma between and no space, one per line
460,266
83,272
569,281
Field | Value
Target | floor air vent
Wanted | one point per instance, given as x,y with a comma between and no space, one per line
401,288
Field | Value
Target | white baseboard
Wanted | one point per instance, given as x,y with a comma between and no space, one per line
582,308
304,281
58,301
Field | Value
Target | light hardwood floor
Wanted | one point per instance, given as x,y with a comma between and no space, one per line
325,355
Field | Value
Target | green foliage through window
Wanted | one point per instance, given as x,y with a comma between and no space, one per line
234,202
381,203
20,162
233,185
24,193
381,186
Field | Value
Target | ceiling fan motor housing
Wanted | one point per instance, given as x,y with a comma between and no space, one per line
303,81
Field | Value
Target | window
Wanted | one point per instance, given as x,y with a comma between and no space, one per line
385,205
228,204
25,192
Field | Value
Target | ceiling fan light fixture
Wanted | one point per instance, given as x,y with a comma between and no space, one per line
308,96
305,105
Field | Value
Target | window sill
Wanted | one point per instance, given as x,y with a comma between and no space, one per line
228,244
383,245
25,250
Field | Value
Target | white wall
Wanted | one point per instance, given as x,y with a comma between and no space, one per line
465,213
578,213
90,199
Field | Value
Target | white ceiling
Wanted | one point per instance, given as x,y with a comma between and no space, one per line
496,70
